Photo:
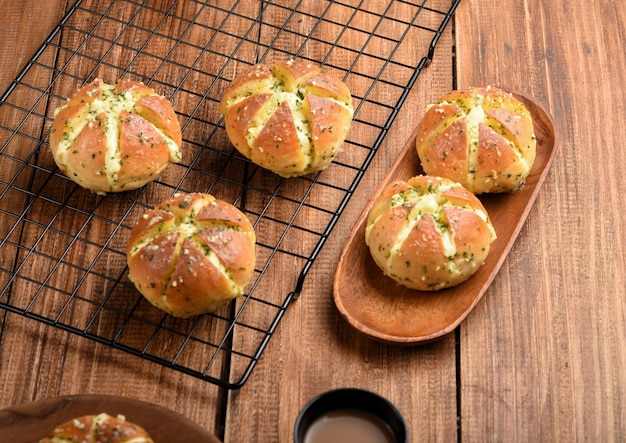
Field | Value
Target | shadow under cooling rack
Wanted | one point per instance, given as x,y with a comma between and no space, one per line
63,248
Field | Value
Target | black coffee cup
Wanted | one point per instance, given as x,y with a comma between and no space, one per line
353,400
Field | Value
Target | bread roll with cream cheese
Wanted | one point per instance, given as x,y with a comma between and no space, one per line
292,119
428,233
101,428
112,138
191,254
481,137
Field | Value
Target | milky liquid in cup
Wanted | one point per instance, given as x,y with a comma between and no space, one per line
349,426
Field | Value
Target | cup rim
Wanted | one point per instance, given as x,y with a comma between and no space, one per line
351,398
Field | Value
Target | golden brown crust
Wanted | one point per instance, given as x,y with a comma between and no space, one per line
111,138
101,428
428,233
481,137
291,120
191,254
241,119
277,147
257,79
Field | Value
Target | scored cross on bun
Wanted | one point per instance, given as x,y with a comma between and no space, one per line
112,138
291,119
481,137
428,233
191,254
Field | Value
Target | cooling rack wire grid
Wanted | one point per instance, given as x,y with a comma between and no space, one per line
63,248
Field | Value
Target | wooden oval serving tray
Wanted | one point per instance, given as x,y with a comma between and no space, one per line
33,421
386,311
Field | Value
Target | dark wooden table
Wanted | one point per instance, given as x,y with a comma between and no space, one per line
543,355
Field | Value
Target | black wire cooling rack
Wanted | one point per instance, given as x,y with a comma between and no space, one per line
63,248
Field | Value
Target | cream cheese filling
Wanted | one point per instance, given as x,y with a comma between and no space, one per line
294,98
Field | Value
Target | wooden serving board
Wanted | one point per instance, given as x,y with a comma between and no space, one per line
386,311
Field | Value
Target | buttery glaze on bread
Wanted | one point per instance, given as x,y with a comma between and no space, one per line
191,254
112,138
101,428
292,119
428,233
481,137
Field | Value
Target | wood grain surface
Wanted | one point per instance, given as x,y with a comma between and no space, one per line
542,357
